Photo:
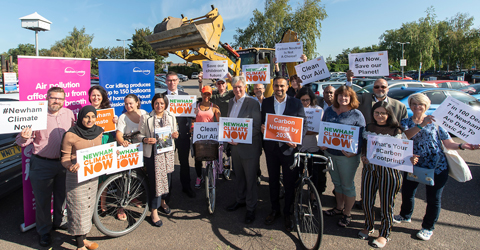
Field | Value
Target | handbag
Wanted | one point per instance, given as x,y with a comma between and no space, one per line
457,167
422,175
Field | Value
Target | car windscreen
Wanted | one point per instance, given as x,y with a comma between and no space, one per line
399,94
465,98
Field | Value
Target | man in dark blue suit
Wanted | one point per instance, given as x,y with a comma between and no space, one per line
279,154
182,143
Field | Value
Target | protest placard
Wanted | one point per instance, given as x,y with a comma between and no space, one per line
96,161
38,74
256,73
105,119
182,105
164,139
390,152
236,130
314,117
339,136
129,157
205,131
16,116
215,69
369,64
283,128
10,82
313,70
289,52
459,119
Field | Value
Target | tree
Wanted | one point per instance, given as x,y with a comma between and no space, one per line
141,49
267,28
27,49
77,45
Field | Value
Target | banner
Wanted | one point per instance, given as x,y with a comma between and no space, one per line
96,161
215,69
128,158
369,64
38,74
314,117
289,52
10,82
205,131
16,116
283,128
164,139
235,129
123,77
105,119
339,136
459,119
390,152
256,73
313,70
182,105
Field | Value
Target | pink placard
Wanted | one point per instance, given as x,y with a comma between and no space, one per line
37,74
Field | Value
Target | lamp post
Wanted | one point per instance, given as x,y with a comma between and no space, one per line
402,54
36,23
124,46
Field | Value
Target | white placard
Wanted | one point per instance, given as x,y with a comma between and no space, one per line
314,117
312,70
338,136
182,105
96,161
459,119
256,73
17,115
215,69
164,139
390,152
236,129
129,157
369,64
289,52
205,131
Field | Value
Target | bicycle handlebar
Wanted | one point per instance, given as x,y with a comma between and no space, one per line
327,160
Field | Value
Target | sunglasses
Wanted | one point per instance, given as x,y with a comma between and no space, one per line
221,82
377,87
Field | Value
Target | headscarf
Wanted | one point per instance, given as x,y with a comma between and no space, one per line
82,131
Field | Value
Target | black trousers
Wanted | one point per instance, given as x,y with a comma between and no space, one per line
276,160
318,177
182,145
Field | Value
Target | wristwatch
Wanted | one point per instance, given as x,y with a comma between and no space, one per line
460,146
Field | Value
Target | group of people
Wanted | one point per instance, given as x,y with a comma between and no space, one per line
54,165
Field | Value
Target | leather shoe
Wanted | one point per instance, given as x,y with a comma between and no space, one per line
166,211
272,217
288,223
45,240
190,193
63,227
249,217
235,206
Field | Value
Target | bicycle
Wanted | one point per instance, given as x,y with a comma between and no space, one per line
308,214
127,190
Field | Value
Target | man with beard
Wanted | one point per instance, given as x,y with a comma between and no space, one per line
46,173
327,99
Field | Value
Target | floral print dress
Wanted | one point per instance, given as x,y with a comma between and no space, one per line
164,162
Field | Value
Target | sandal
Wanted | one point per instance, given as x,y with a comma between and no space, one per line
121,214
364,236
334,211
377,244
345,221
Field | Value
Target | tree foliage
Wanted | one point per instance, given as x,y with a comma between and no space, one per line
27,49
141,49
267,28
77,44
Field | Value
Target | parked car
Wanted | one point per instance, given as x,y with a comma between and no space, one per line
182,77
94,77
399,84
473,90
160,87
449,84
398,76
194,75
10,157
318,87
436,96
476,76
338,74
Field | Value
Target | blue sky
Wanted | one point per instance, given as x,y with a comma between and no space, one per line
349,23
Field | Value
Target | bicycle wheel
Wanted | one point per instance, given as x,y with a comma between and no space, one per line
308,216
121,191
210,187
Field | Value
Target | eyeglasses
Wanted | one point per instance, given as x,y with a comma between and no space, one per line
56,99
221,83
380,113
305,100
377,87
417,104
172,80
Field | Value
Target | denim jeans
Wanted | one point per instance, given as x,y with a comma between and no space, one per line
434,199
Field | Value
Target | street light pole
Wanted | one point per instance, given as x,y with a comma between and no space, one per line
403,54
124,46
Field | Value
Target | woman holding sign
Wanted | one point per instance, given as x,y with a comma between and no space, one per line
159,165
379,178
427,143
80,196
98,97
344,111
